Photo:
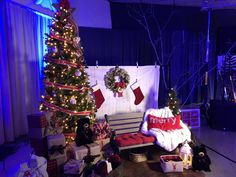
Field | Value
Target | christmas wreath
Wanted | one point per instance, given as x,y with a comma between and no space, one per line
117,79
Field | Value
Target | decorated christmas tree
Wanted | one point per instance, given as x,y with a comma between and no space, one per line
67,90
173,102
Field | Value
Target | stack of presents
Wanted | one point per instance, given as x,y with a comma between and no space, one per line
89,153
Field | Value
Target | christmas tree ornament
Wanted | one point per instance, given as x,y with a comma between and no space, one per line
137,93
99,98
76,41
77,73
54,49
67,26
72,100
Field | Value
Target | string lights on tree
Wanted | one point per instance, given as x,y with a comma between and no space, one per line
173,102
67,90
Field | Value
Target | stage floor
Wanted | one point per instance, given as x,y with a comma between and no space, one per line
223,142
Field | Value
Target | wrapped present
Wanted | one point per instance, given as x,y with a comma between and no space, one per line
36,166
52,168
56,148
54,126
39,146
94,149
102,130
61,160
51,130
103,143
74,166
37,121
171,163
81,151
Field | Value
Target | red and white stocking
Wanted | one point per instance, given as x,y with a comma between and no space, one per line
99,98
137,93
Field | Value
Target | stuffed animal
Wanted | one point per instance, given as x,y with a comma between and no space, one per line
201,160
84,133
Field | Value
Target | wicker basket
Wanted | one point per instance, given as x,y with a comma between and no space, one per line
139,155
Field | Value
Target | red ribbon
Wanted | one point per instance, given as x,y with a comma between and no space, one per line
62,62
65,4
65,87
74,113
75,26
120,94
59,38
63,39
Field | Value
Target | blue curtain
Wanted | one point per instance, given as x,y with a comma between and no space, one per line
43,23
21,54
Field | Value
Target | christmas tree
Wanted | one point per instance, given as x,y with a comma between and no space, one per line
67,90
173,102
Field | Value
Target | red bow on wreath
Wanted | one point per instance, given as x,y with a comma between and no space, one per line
120,87
120,84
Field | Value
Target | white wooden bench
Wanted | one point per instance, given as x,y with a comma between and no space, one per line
127,123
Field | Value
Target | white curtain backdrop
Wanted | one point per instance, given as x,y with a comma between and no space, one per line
148,78
19,69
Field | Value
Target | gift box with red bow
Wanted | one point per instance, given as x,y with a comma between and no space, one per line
102,130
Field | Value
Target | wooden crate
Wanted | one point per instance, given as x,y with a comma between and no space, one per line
191,117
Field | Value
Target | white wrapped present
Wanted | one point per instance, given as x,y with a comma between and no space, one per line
171,163
57,148
90,149
94,149
103,143
74,166
36,166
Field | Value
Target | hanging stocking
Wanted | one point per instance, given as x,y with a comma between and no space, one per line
99,98
137,93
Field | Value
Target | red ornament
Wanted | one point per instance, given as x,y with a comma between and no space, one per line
65,4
